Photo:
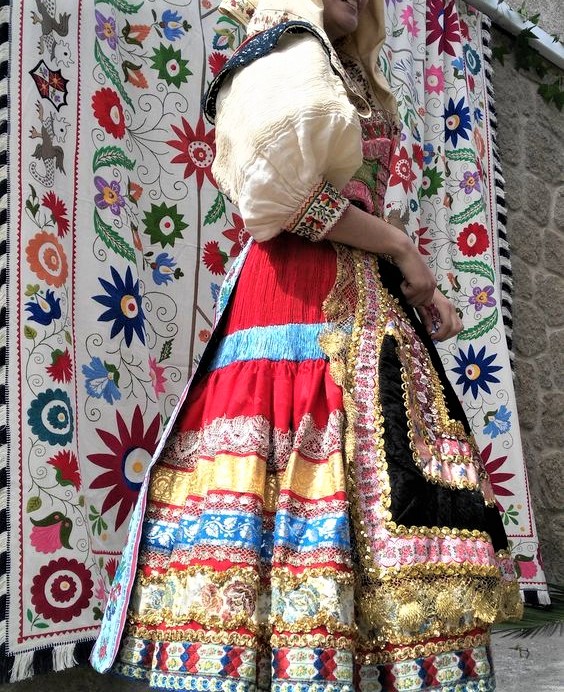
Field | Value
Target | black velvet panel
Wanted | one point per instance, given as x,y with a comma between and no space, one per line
416,501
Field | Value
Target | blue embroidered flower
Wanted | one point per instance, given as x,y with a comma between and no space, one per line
429,153
214,291
475,370
457,121
123,301
498,422
50,417
44,310
478,115
102,380
163,268
458,64
472,59
172,25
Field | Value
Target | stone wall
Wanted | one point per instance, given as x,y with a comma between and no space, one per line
531,142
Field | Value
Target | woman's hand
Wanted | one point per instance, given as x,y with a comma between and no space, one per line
419,282
440,318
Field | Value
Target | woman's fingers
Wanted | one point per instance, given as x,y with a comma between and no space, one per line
440,319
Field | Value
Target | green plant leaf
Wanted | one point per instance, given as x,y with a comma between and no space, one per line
112,239
33,504
471,210
483,326
111,156
216,211
465,154
475,267
111,73
122,5
29,332
166,350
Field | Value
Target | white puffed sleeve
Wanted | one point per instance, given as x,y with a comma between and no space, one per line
287,140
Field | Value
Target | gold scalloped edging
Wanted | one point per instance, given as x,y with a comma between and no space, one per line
286,580
364,655
249,574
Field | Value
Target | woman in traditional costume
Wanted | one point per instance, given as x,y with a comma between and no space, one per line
317,516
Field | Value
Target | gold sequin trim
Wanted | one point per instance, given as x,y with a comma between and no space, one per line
304,624
289,580
368,657
247,574
328,641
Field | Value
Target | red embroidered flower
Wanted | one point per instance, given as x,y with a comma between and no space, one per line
421,241
61,590
473,240
496,479
60,369
197,150
238,235
442,25
126,462
402,170
216,62
65,464
108,111
111,568
418,155
156,373
58,211
214,258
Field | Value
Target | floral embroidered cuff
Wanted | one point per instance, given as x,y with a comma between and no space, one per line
320,211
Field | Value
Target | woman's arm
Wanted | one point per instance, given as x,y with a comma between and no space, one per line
366,232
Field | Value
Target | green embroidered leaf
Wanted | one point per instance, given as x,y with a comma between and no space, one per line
216,211
31,290
111,73
111,156
483,326
112,239
33,504
68,337
29,332
462,155
398,32
475,267
166,350
471,210
41,625
122,5
29,615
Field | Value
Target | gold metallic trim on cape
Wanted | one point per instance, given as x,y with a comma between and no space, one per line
365,656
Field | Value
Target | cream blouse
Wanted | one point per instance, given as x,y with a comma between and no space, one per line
287,139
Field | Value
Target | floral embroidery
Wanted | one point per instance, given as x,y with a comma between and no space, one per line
319,213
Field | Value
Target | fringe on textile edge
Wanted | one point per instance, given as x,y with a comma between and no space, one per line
4,55
506,273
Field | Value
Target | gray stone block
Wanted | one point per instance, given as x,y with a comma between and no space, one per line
552,423
543,158
527,390
558,218
549,293
529,329
513,187
554,252
525,238
522,278
537,200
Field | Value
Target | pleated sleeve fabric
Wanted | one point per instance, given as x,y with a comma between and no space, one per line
288,140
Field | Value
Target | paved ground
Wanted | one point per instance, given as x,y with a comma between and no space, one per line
522,665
